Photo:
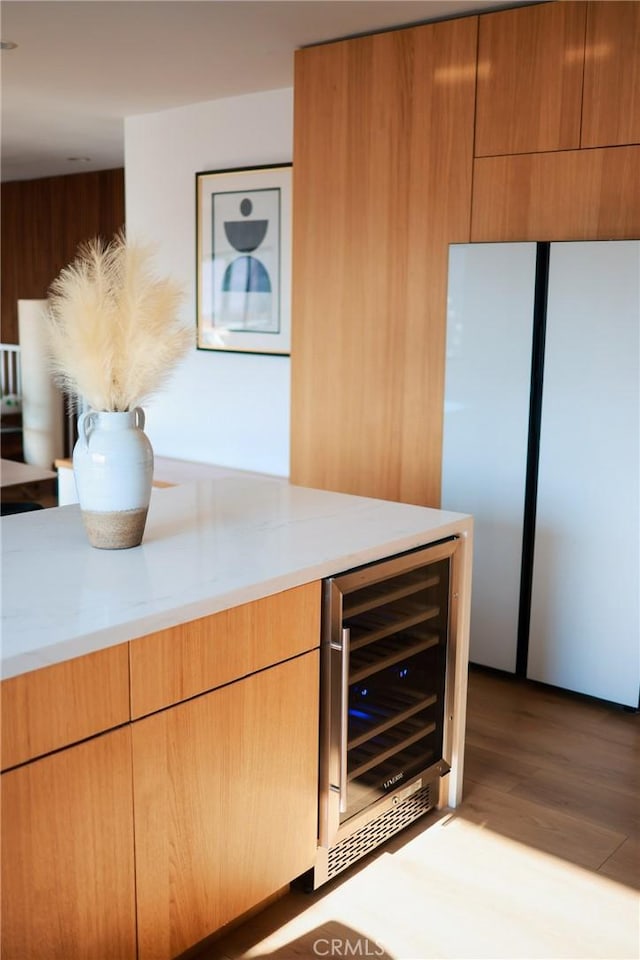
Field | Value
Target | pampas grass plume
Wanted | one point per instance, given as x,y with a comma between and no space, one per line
113,328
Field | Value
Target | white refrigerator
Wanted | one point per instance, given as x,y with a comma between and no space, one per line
542,445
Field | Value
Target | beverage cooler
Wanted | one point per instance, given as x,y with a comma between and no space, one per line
387,676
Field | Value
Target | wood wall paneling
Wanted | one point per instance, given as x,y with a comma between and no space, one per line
58,705
225,794
611,107
382,184
530,64
42,223
571,195
67,854
181,662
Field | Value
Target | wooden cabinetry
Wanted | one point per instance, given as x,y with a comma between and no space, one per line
56,706
558,76
67,854
175,664
41,224
383,148
225,789
382,130
611,108
569,195
530,64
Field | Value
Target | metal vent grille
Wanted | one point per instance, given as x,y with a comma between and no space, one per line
377,831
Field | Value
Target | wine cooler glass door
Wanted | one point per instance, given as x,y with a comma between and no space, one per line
388,665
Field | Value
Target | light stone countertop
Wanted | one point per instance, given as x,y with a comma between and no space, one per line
13,473
167,470
208,546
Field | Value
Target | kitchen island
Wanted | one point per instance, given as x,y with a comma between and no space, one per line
160,708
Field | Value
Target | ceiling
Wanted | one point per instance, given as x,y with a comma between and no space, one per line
81,66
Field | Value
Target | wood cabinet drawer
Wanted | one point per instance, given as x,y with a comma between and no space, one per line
175,664
56,706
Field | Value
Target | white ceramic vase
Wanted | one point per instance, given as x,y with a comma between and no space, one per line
113,468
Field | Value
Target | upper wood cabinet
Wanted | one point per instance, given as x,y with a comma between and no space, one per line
567,195
611,108
383,147
530,63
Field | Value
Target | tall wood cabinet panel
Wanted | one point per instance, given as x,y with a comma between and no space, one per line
225,795
611,107
571,195
382,184
530,64
67,854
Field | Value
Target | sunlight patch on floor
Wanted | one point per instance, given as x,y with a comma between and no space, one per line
461,891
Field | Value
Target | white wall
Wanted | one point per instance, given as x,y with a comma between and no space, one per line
230,409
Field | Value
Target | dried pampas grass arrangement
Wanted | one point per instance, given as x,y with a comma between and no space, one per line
113,328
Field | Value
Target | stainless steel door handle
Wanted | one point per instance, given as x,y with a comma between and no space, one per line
344,716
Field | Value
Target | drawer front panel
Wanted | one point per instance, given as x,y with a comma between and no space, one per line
175,664
56,706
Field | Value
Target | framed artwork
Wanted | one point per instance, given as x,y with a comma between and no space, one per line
243,292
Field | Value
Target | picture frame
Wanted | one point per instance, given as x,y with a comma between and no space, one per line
243,243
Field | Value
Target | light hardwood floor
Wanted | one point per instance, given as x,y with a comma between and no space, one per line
542,859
